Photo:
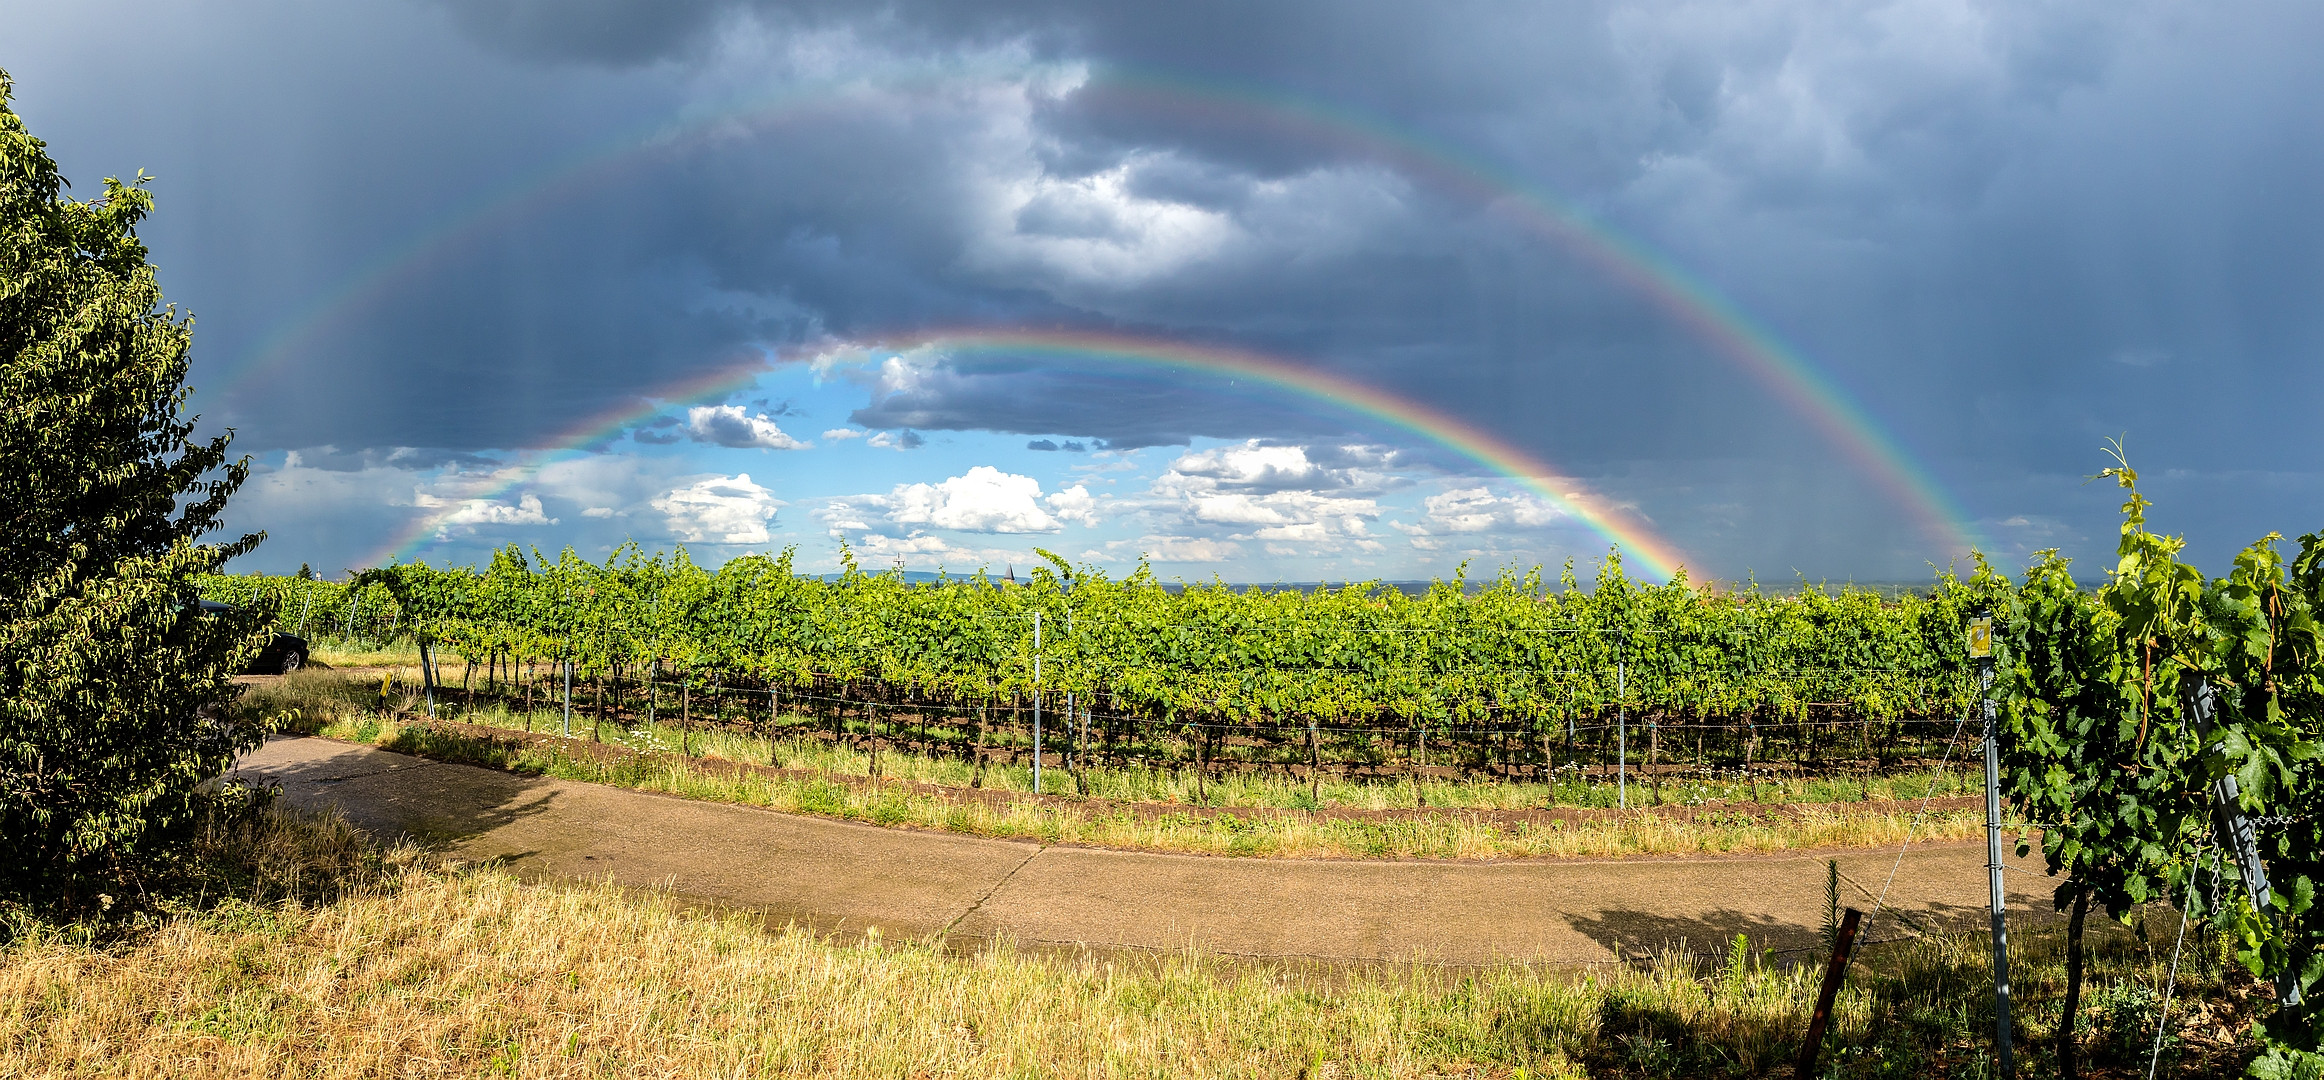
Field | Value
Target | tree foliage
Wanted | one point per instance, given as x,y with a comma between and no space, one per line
109,676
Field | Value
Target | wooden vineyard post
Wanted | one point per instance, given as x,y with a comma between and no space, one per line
565,665
428,676
686,715
978,780
1202,765
1654,756
1314,766
1834,971
1419,760
1081,753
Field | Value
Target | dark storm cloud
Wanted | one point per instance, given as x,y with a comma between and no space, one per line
863,218
1126,412
2009,230
597,31
333,459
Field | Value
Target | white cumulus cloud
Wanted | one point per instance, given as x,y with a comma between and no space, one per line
466,514
1187,549
728,425
1282,491
984,499
719,510
1074,504
1476,510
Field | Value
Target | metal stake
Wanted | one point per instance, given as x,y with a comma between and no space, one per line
2240,839
1036,703
1621,725
2003,1051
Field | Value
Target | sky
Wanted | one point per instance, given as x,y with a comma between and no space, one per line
1284,291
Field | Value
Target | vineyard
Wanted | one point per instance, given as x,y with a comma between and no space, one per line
2162,730
1518,678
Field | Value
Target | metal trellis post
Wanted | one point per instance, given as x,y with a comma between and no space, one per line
2240,840
1036,703
1621,722
1981,648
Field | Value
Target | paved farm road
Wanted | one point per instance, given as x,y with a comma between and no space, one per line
842,875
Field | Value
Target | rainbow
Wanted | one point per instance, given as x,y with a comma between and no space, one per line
564,445
1615,525
1753,347
1623,529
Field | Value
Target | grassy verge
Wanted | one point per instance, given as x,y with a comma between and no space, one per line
1008,768
817,778
432,972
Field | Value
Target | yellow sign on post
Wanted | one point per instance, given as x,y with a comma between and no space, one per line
1981,637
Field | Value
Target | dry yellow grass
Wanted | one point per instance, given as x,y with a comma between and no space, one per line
414,970
475,974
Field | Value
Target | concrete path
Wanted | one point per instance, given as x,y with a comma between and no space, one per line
844,875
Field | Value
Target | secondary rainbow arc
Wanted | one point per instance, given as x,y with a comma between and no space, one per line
1833,411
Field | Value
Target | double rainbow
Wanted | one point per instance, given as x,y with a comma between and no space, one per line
1751,346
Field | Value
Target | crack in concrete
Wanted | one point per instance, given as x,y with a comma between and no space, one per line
988,893
343,777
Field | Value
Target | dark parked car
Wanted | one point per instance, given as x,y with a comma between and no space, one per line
285,654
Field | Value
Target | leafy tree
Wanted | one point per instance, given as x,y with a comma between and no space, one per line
111,679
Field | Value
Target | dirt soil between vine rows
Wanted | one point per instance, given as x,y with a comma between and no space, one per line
847,877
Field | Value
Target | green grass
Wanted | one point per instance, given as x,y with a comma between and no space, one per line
804,743
1154,811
